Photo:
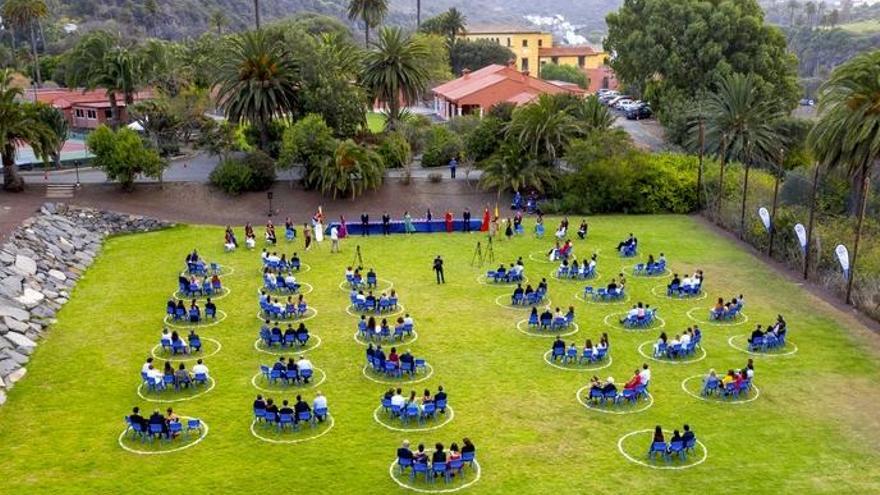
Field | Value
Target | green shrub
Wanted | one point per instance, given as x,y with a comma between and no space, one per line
394,150
415,129
255,172
482,141
262,170
443,145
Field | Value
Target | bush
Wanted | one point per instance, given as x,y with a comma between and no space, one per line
443,145
394,150
255,172
482,141
415,129
262,170
435,178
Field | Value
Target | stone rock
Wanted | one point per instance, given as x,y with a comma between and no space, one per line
25,265
2,397
18,314
21,341
58,275
16,375
21,359
10,286
15,325
30,298
7,366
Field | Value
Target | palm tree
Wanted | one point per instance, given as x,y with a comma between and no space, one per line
418,14
152,9
513,168
792,6
740,125
848,131
810,10
257,80
54,119
20,123
543,128
219,21
394,71
372,12
589,114
454,23
257,13
352,170
25,14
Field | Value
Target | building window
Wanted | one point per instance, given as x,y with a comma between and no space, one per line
108,114
581,60
525,43
508,42
540,43
79,113
91,114
555,60
525,64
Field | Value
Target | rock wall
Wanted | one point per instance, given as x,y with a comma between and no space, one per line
39,265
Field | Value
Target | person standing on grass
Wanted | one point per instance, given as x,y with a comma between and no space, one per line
466,216
307,236
438,269
453,164
365,224
386,223
449,221
334,239
407,223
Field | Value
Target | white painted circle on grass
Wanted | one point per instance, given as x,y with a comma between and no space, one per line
619,326
294,440
186,357
718,323
580,297
160,452
720,401
603,366
547,334
662,294
542,257
283,351
671,361
170,401
387,285
276,293
541,305
586,403
788,344
481,279
185,325
291,388
389,342
631,271
366,372
214,297
225,270
654,466
449,415
442,490
311,312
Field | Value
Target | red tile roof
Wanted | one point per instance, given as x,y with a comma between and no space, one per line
66,98
491,75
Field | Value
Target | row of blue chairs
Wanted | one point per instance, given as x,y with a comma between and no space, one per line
357,281
413,412
206,288
437,469
393,370
726,314
153,431
678,290
665,451
286,376
641,321
290,421
278,284
504,277
179,347
618,398
529,299
550,322
603,295
372,304
399,332
170,382
571,356
290,311
193,315
269,339
678,351
200,268
767,342
650,269
714,386
282,266
585,272
629,251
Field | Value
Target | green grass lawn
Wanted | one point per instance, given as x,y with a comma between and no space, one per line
813,429
375,122
862,27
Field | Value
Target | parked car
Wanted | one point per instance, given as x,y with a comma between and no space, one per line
642,111
625,107
807,102
618,105
610,95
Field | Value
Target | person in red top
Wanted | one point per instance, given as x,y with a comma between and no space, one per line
634,382
485,226
448,221
394,357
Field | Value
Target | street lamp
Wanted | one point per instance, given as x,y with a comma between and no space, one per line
269,196
76,166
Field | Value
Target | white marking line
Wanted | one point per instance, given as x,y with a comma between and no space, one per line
579,396
399,382
290,388
719,401
551,363
746,350
580,297
186,357
400,310
528,307
283,351
160,452
449,415
303,268
311,312
542,259
170,401
631,271
481,279
226,291
718,323
620,326
669,361
221,315
295,440
444,490
554,274
653,466
344,286
298,293
549,333
391,342
662,287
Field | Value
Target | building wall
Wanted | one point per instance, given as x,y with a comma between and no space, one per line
592,61
524,45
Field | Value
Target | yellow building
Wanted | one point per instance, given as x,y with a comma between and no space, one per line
534,48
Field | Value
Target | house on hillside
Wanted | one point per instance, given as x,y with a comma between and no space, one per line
84,109
478,91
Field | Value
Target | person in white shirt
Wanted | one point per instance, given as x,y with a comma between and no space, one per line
361,297
349,273
289,280
397,400
265,254
320,401
645,375
147,365
273,258
250,243
334,239
154,374
685,339
675,341
407,319
200,368
303,364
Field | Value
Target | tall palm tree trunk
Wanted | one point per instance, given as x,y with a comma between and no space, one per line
418,14
721,182
36,56
700,167
745,194
114,111
866,179
809,245
257,13
366,34
773,215
12,181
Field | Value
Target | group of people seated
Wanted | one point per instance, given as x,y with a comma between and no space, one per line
279,281
168,377
727,310
413,407
561,252
371,330
271,334
679,444
606,392
190,287
575,270
616,289
289,371
436,464
512,273
179,312
732,384
293,308
680,346
174,344
771,337
356,279
571,355
690,285
551,321
160,425
291,416
651,266
273,263
199,267
368,302
529,296
640,315
628,247
393,364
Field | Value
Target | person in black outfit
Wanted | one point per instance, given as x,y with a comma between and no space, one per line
259,403
158,419
285,409
386,223
468,446
466,216
365,224
136,419
404,452
440,395
438,456
438,269
301,406
271,411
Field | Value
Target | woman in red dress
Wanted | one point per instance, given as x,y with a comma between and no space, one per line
448,221
485,226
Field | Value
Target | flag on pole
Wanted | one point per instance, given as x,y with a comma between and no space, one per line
497,213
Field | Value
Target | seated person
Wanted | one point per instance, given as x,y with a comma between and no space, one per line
289,333
394,358
609,386
441,397
595,385
542,286
301,406
407,320
200,368
195,312
181,376
302,333
518,292
403,452
529,290
397,400
582,230
676,282
634,382
158,419
501,271
629,241
304,364
279,365
320,403
271,411
661,342
407,358
612,287
420,456
688,436
569,316
135,418
286,409
558,347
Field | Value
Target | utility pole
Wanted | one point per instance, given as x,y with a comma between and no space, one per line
810,224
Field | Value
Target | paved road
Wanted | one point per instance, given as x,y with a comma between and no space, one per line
647,134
